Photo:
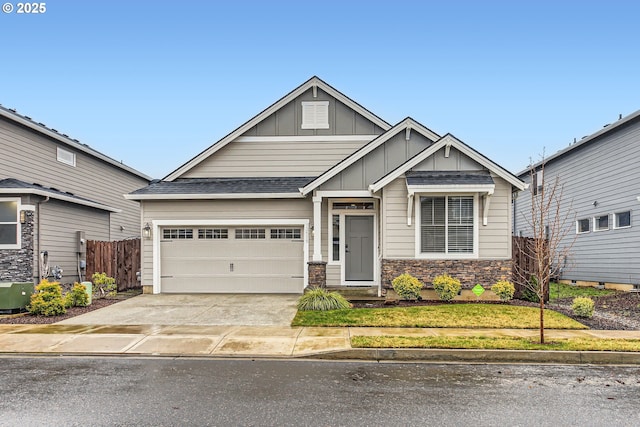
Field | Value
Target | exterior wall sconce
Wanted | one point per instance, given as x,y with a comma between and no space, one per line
146,231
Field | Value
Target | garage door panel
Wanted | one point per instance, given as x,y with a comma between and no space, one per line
232,265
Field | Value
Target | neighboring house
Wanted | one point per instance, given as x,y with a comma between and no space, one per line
51,188
601,185
318,190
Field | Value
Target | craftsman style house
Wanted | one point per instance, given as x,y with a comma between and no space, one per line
318,190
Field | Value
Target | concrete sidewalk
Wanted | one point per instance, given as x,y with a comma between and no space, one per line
286,342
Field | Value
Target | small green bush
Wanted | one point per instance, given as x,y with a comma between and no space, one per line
528,293
446,287
583,306
504,289
104,285
77,296
319,299
47,299
407,286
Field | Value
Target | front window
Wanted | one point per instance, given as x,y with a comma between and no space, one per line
446,224
9,220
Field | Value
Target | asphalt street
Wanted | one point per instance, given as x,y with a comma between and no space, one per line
115,391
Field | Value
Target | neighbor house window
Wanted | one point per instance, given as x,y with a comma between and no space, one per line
623,219
177,233
9,224
285,233
583,226
66,157
213,233
250,233
315,115
538,181
601,223
446,224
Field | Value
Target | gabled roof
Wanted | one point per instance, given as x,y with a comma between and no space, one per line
576,146
17,187
222,188
405,124
447,140
66,140
312,82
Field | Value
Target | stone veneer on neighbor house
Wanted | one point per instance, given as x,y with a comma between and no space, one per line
468,271
16,265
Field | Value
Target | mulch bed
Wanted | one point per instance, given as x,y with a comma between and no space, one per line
28,319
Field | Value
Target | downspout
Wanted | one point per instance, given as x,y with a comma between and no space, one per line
46,199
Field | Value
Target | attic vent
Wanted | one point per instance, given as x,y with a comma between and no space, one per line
315,115
66,157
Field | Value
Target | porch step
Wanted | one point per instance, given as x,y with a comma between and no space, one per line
357,293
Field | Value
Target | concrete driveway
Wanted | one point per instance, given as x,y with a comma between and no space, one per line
201,309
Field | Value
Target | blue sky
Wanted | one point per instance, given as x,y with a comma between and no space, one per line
153,83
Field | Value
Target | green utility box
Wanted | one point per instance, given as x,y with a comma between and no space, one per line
15,297
89,287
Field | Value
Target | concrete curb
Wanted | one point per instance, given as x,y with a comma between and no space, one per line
484,356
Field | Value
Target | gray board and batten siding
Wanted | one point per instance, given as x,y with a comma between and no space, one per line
277,146
599,177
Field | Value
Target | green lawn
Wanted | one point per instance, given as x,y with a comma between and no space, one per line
560,290
503,343
439,316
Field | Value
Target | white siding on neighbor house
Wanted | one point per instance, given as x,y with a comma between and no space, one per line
604,171
278,146
59,222
31,157
197,210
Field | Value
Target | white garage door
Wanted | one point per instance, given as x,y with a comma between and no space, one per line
254,259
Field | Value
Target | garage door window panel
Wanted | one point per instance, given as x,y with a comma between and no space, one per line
250,233
177,233
213,233
285,233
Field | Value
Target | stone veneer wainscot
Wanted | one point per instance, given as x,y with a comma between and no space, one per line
16,265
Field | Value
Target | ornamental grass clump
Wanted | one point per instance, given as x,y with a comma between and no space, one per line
446,287
407,287
319,299
504,289
583,306
47,299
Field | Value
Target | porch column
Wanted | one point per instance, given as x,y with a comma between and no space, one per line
317,228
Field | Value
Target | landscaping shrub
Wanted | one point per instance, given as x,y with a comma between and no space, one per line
407,286
104,285
47,299
446,287
319,299
583,306
77,296
504,289
528,293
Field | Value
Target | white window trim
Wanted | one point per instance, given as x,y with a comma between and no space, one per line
312,122
578,226
62,159
615,217
595,223
418,223
18,244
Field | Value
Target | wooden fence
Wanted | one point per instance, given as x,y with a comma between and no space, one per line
119,259
523,263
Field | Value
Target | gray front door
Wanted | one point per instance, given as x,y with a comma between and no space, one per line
358,248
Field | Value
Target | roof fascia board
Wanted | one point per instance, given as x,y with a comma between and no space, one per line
59,197
582,142
314,81
403,125
213,196
429,151
69,142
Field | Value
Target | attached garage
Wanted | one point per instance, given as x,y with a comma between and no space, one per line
232,258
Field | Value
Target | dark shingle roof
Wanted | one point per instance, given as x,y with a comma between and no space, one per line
226,185
16,184
449,177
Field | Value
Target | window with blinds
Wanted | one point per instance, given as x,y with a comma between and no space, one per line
446,224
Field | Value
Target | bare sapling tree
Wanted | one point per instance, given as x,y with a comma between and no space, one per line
547,249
